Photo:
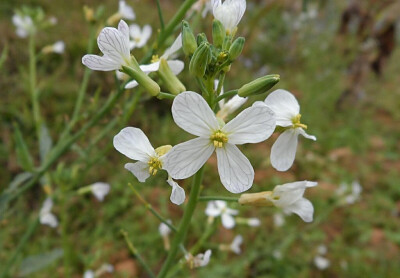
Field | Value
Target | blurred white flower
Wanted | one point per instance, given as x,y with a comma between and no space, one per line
321,263
163,229
321,249
45,215
253,222
220,208
104,268
199,260
53,20
126,11
24,24
133,143
88,274
230,12
139,36
192,113
287,113
349,193
290,198
59,47
228,107
100,190
203,6
114,43
277,254
235,245
279,219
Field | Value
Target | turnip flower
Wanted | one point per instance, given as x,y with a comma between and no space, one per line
100,190
287,113
220,208
228,107
192,113
45,215
199,260
133,143
24,24
230,12
139,36
114,43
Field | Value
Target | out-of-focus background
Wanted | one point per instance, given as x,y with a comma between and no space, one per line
340,59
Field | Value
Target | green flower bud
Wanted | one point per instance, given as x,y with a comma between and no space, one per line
200,60
236,48
171,82
218,33
259,86
189,43
201,38
143,79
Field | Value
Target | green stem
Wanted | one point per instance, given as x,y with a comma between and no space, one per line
160,15
227,94
216,198
25,238
64,234
135,253
220,83
184,225
162,95
32,86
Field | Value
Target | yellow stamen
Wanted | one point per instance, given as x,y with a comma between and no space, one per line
219,139
296,122
154,165
155,58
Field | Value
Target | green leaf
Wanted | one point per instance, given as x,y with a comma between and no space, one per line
3,56
23,156
18,180
45,142
35,263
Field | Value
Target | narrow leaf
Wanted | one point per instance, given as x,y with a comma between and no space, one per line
23,156
45,142
35,263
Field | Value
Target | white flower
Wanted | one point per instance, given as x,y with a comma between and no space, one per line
45,215
253,222
277,254
321,249
24,25
279,219
287,113
192,113
235,245
227,108
220,208
126,11
88,274
229,13
163,229
100,190
139,36
290,198
321,262
133,143
114,43
58,47
199,260
203,6
351,193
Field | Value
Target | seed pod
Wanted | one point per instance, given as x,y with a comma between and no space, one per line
218,33
259,86
236,48
200,60
170,81
189,43
143,79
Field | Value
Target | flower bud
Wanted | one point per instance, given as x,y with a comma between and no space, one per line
189,43
259,86
236,48
89,14
201,58
143,79
201,38
259,199
218,33
171,82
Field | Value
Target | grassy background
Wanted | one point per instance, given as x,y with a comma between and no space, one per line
360,142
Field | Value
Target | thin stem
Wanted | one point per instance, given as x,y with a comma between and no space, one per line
162,95
184,225
32,86
150,208
216,198
160,15
220,83
25,238
135,253
64,235
227,94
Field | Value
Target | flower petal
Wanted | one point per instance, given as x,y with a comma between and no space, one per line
302,208
124,29
133,143
48,219
290,193
283,150
126,11
192,113
284,105
178,194
185,159
139,169
131,84
235,170
176,66
95,62
302,132
151,67
212,209
176,45
228,221
114,44
252,125
100,190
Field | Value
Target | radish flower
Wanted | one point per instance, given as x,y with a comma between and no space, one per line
235,245
139,36
228,107
192,113
125,11
100,190
133,143
24,24
220,208
46,217
287,113
229,13
199,260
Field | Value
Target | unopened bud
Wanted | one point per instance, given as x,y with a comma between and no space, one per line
259,199
143,79
89,14
171,82
218,33
189,43
200,60
236,48
259,86
201,38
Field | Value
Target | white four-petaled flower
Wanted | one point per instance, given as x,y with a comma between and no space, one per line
287,113
230,12
290,198
192,113
133,143
126,11
220,208
24,24
100,190
199,260
58,47
114,43
139,36
46,217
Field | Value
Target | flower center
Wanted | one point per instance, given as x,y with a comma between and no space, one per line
155,58
296,122
154,165
219,138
